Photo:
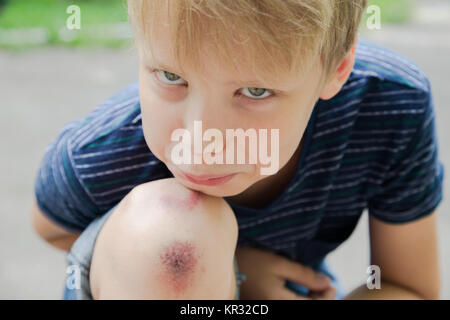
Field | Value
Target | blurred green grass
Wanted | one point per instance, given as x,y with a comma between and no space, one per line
51,16
52,13
394,11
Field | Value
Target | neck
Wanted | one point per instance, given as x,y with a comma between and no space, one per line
263,192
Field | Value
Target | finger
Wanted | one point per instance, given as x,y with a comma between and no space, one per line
286,294
328,294
304,275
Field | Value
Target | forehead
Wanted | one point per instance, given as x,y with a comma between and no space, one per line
242,66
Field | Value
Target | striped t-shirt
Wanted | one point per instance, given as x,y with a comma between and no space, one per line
372,146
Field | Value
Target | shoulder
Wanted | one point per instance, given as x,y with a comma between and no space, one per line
119,110
79,176
380,64
387,96
383,110
107,152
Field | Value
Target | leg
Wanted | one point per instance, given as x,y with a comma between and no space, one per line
164,241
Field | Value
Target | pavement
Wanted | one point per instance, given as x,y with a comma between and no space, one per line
43,89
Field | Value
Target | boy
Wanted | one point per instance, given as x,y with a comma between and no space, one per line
356,130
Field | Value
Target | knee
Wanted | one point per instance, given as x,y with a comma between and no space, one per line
164,242
169,204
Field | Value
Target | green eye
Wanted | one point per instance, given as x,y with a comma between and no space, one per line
171,76
168,77
258,93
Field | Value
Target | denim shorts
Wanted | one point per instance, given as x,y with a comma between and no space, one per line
79,260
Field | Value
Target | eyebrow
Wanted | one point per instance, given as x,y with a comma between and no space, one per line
159,65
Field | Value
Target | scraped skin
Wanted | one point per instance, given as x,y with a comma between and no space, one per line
189,202
164,241
179,264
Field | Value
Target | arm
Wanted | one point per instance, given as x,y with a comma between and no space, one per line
55,235
402,214
407,255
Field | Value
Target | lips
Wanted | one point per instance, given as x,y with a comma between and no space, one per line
205,176
208,180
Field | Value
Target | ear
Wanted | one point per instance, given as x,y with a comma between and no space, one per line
340,76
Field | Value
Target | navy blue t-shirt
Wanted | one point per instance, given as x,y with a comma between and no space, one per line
372,146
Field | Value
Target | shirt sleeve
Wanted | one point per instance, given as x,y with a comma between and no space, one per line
412,187
59,194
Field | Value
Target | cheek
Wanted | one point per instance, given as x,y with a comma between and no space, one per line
292,129
157,123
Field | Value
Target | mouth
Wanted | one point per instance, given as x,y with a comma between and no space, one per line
208,180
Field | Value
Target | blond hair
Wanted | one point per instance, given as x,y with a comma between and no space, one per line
274,35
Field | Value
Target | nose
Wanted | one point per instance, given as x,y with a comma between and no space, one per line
202,114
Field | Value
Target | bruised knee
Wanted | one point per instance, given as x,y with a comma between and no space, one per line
166,242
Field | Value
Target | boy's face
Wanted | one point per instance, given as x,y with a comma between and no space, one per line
222,99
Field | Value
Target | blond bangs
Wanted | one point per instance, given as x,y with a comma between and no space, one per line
272,36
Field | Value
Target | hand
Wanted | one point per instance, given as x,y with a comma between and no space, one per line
266,273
